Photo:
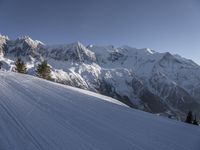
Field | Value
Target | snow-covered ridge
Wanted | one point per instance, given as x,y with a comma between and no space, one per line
42,115
160,83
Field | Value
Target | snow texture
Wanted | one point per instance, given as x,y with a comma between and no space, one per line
42,115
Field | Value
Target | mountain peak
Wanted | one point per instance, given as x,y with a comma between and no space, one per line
169,57
5,37
77,44
149,50
28,40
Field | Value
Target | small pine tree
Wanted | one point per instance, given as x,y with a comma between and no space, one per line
1,64
44,70
189,118
20,66
195,122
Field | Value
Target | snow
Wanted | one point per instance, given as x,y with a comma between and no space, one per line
42,115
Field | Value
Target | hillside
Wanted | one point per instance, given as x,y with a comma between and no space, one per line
160,83
42,115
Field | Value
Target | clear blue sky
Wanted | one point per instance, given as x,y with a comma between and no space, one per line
163,25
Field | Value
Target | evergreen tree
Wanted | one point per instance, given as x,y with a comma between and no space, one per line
1,64
20,66
195,122
189,118
44,70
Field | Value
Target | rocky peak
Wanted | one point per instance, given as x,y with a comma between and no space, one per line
27,41
73,52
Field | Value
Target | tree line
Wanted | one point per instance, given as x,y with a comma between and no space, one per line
43,70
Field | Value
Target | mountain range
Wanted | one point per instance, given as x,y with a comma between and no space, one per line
160,83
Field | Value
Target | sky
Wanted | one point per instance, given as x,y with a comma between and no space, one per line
162,25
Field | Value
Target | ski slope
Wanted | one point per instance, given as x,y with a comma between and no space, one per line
40,115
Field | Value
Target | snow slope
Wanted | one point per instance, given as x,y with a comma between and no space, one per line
41,115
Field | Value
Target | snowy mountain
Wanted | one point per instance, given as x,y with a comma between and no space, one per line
41,115
160,83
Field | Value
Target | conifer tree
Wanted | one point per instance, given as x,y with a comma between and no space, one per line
195,122
44,70
20,66
189,118
1,64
